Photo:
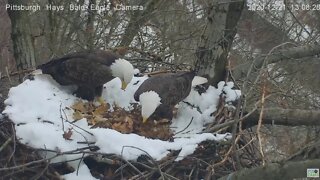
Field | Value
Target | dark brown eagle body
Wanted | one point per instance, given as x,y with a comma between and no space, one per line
171,88
88,70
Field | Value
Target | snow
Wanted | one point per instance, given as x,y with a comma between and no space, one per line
113,93
206,103
40,110
83,174
231,95
136,71
131,146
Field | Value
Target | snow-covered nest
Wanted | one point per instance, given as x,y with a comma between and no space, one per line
40,108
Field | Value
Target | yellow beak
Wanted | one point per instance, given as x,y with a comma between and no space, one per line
123,85
144,119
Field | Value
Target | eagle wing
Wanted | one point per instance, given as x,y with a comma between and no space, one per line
86,71
171,87
90,67
178,89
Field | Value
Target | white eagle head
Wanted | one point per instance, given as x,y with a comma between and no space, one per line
124,70
149,102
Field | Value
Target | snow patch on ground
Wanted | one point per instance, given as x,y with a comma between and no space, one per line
40,110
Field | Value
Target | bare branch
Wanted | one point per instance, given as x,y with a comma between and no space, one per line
287,117
275,171
280,55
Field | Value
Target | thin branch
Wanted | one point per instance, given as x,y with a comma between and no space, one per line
8,75
4,145
185,127
260,121
130,163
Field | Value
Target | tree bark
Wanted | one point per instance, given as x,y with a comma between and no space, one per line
287,117
6,52
288,170
90,32
276,116
23,44
277,56
217,39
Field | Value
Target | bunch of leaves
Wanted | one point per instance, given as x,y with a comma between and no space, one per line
121,120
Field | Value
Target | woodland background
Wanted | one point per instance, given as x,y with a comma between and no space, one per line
272,56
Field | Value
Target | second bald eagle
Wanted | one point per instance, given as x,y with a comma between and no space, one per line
89,70
160,93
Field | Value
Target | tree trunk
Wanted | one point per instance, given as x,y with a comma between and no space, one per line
23,44
287,117
217,39
90,26
276,116
289,170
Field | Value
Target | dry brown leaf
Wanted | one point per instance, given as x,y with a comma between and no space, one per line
156,130
67,134
77,115
97,119
129,121
100,110
125,126
79,106
122,120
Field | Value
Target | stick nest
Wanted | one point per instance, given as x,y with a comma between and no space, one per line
211,160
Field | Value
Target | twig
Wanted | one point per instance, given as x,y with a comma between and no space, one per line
75,151
86,142
66,161
75,124
225,158
80,163
190,174
229,123
264,62
14,144
66,119
5,144
129,162
260,121
62,119
154,162
193,106
296,19
16,73
156,72
38,176
170,176
8,75
248,143
27,164
144,174
185,127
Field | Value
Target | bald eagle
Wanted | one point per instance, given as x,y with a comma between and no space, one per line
160,93
89,71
